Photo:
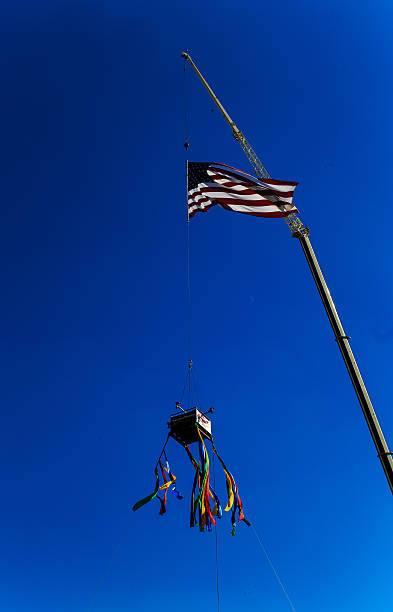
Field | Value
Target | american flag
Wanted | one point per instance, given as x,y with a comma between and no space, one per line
210,184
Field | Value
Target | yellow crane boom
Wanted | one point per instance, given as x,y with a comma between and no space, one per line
301,232
293,221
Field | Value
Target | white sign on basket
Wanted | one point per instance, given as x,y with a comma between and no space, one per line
204,422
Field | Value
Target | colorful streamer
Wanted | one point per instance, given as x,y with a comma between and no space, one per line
205,505
165,469
148,498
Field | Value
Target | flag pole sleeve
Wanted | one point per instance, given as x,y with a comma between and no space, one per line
384,454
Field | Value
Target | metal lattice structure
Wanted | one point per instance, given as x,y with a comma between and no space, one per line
293,222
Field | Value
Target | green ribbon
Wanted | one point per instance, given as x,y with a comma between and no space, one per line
145,500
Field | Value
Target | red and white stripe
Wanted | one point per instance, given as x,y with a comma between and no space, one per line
241,192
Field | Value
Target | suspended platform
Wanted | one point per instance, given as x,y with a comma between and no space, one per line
184,426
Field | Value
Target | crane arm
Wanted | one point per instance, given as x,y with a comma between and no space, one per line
294,223
301,232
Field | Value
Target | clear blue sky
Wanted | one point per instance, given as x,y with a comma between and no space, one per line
93,306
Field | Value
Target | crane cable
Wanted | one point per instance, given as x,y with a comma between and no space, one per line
273,568
191,377
186,146
109,564
216,538
116,550
190,373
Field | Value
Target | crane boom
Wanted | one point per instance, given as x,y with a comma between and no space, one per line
293,222
301,232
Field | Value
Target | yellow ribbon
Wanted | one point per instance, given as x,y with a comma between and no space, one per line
231,496
167,484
